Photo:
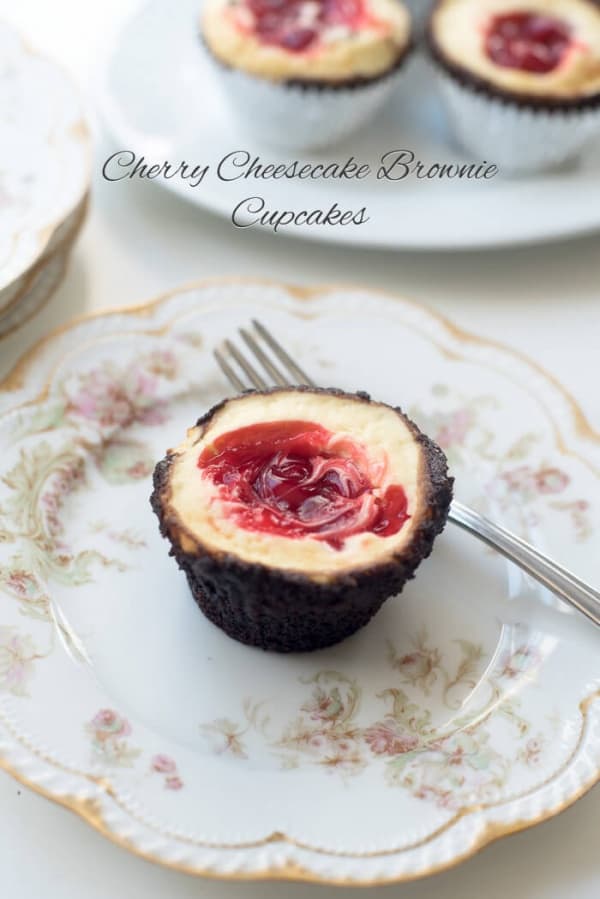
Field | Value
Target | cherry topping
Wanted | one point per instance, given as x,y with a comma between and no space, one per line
299,39
295,24
527,41
294,479
341,12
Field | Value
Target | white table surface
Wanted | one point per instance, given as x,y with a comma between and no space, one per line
139,241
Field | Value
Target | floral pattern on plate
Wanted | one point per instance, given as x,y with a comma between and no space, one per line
449,766
109,734
513,483
17,656
467,704
105,399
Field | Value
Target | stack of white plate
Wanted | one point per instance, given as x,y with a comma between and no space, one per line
45,168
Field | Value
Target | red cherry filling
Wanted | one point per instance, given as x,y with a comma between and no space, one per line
527,41
297,479
295,24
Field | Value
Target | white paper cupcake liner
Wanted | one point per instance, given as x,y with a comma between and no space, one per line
519,140
303,117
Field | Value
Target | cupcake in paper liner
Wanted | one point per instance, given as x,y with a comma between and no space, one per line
520,78
302,74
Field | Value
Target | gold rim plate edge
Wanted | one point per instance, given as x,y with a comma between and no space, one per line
89,809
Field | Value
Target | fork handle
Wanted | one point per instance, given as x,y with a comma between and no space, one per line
560,581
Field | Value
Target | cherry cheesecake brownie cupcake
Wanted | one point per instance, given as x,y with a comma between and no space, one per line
296,512
521,78
304,73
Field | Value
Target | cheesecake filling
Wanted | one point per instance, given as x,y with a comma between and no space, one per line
297,479
531,42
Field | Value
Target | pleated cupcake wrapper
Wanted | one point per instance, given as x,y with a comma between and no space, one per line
518,139
299,117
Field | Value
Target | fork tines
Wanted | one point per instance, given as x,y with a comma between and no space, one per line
242,373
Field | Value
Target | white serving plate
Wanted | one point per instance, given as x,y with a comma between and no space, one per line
45,158
469,708
159,98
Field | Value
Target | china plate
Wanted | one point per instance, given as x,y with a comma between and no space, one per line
45,156
160,99
28,293
467,709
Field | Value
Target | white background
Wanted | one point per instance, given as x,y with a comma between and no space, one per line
139,241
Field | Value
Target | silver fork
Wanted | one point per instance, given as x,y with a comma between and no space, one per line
286,373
